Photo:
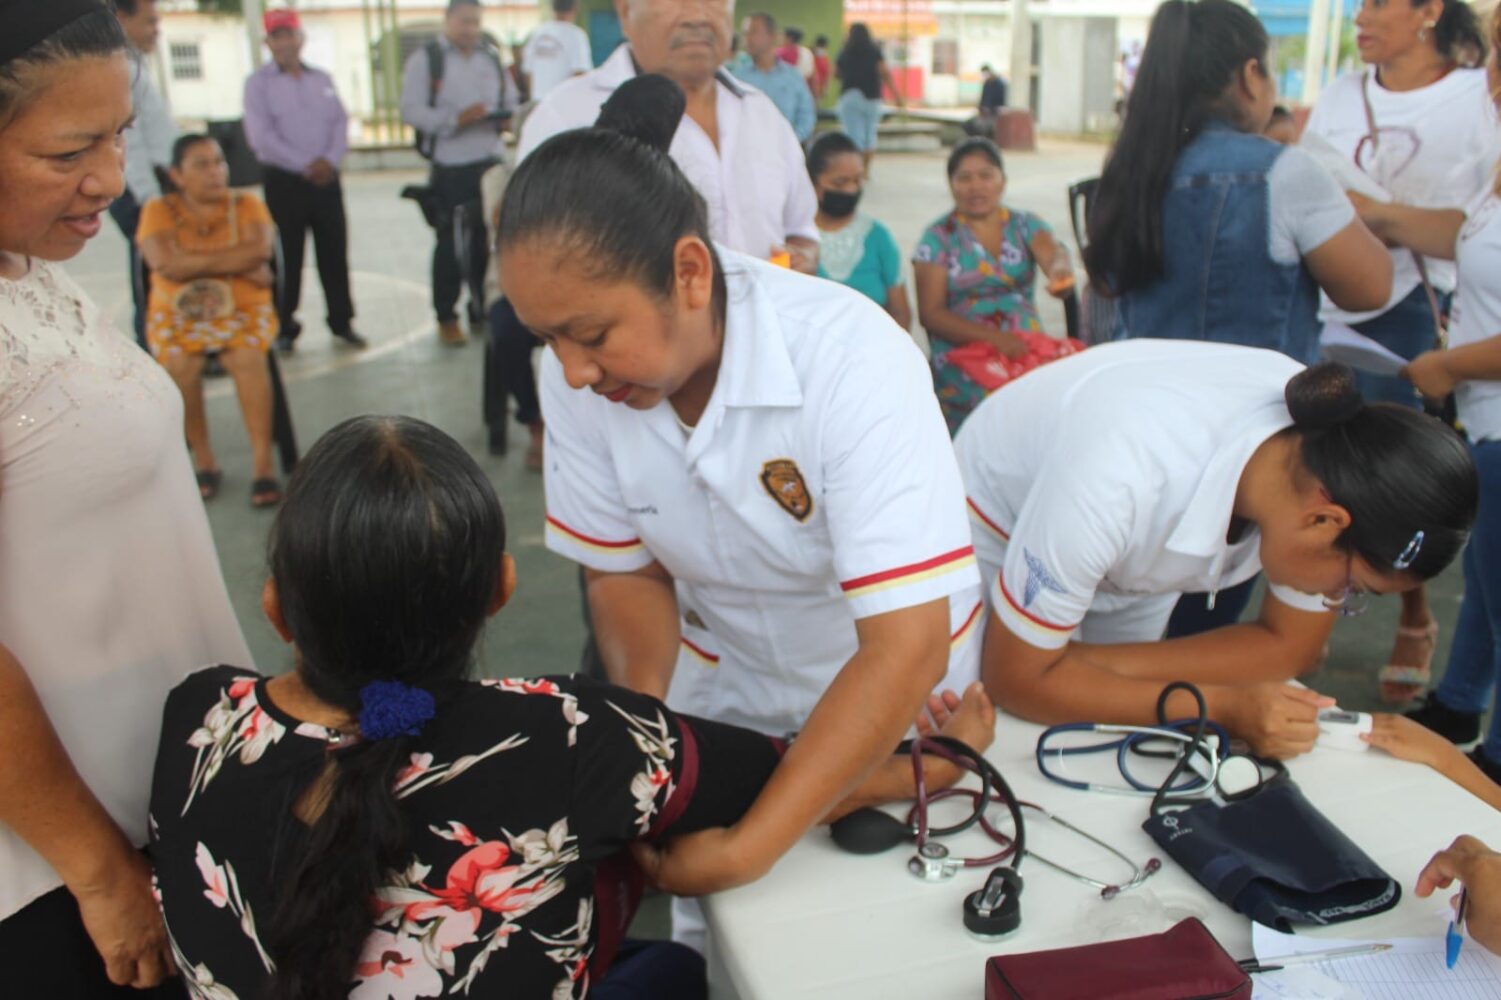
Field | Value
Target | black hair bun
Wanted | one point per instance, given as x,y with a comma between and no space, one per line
646,108
1323,396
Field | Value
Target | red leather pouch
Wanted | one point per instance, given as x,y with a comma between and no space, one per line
1184,962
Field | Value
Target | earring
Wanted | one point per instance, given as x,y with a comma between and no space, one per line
1423,31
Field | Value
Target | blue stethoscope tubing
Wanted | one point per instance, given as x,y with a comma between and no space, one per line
1136,739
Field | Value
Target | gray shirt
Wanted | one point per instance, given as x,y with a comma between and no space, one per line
148,141
467,80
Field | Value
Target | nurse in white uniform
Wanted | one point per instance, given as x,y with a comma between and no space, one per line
1106,485
751,466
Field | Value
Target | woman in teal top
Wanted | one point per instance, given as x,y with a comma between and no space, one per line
976,267
854,249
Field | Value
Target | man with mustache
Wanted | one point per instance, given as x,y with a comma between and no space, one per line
734,144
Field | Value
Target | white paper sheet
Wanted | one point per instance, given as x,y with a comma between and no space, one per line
1413,969
1349,176
1340,343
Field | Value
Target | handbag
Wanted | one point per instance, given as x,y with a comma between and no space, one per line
1184,962
1275,858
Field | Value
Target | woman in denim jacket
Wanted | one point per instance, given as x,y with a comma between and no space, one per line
1203,229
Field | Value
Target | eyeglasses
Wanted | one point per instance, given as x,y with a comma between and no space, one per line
1352,601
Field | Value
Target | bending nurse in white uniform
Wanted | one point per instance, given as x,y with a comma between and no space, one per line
751,465
1105,486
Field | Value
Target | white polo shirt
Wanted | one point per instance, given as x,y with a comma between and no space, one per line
818,488
1477,313
1110,476
755,182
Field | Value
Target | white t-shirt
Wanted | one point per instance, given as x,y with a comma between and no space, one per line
1307,206
1110,476
1440,143
818,488
112,585
755,181
1477,312
553,53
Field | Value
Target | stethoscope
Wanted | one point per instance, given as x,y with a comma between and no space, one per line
870,831
1203,764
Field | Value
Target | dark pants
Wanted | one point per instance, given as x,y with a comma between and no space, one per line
510,358
1407,328
45,952
654,970
1192,615
457,190
298,206
126,212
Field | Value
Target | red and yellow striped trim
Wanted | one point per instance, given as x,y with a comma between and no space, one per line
903,575
970,626
597,544
1029,616
995,528
703,656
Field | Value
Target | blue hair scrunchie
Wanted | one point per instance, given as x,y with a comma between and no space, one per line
391,708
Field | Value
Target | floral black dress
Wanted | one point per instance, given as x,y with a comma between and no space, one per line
522,795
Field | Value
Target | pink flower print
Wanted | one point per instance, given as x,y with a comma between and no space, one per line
392,967
241,688
457,832
217,885
480,879
420,764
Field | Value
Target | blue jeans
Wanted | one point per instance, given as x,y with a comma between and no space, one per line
1406,328
654,970
1193,616
1475,657
858,117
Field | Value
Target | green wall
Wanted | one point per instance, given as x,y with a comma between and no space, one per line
815,17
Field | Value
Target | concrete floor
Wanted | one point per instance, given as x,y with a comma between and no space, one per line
407,371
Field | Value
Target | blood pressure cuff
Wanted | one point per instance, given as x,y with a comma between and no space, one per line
1275,858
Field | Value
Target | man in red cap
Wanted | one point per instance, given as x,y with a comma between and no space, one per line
299,131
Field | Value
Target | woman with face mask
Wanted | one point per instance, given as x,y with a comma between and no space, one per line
854,249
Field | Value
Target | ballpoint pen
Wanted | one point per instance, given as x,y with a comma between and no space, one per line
1455,938
1251,965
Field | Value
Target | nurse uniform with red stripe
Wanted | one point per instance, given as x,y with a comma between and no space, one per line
818,488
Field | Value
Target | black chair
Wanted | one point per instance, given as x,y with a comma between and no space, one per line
282,431
1096,318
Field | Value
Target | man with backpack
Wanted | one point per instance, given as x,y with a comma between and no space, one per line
458,97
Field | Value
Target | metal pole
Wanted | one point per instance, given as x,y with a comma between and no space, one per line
252,11
1336,36
1021,56
1313,52
372,120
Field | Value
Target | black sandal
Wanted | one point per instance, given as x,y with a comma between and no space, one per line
265,493
209,481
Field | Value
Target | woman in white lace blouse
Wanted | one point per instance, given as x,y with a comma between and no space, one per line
110,589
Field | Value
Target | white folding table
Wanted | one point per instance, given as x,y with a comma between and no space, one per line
832,925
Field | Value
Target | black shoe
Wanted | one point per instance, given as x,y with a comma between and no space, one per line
1452,724
1491,768
351,338
496,439
285,344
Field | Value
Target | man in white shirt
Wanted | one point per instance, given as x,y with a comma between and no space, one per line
148,141
558,49
734,145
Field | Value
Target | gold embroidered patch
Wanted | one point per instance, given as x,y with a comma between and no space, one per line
784,481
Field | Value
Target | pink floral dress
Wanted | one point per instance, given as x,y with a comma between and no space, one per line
522,795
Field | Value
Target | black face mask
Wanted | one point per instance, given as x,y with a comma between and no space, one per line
839,204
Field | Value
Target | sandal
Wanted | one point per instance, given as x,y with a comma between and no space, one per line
265,493
209,481
1403,682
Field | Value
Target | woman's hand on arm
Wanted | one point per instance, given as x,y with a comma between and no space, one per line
1432,232
855,725
935,316
46,803
1353,268
635,618
166,257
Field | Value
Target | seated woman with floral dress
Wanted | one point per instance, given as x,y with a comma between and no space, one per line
209,249
975,268
376,825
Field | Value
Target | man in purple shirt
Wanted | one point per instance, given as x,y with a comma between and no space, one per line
299,131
